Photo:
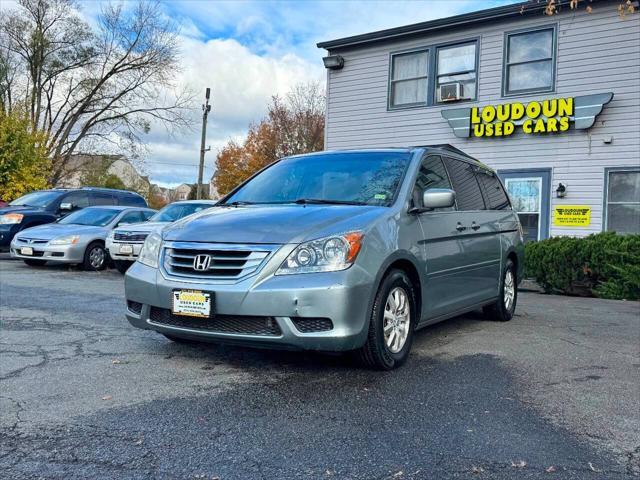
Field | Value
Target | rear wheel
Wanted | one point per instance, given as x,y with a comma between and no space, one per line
95,257
122,265
35,263
505,306
392,322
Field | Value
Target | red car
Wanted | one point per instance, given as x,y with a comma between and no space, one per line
2,203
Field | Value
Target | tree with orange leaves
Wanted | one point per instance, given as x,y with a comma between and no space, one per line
292,126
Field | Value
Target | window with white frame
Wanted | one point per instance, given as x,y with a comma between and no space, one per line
623,201
409,75
456,72
529,61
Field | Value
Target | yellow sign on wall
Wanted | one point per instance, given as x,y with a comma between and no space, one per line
572,216
545,116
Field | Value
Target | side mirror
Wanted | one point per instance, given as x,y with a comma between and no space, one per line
438,198
66,206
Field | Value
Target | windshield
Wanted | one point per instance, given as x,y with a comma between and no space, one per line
97,217
176,211
36,199
363,178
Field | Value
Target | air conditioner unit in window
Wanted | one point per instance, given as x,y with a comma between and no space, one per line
451,92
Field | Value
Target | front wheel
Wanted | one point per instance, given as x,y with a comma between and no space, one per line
392,322
35,263
122,265
505,306
95,257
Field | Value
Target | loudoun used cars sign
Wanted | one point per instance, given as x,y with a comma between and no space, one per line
542,116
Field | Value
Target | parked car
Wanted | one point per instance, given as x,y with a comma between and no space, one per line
349,250
124,244
46,206
3,203
77,238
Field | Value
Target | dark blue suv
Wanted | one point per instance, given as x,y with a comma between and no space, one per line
46,206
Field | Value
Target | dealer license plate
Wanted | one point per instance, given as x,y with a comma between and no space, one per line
192,303
126,249
26,251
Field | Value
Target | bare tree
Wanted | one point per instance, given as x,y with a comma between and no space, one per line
92,89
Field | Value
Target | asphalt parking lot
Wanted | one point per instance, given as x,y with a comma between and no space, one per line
552,394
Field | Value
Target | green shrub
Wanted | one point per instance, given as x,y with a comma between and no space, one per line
604,265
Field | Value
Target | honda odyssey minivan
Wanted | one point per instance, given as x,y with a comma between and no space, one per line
336,251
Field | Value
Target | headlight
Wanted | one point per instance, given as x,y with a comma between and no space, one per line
66,240
151,251
11,218
110,236
329,254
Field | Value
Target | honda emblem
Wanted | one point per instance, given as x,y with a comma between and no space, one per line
201,262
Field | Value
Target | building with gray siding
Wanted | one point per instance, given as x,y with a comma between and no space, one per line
550,102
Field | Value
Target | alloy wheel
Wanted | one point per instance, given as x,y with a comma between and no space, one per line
96,257
509,290
397,319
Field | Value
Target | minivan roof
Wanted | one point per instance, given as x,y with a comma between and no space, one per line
441,147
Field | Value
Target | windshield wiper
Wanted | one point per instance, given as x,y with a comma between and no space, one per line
237,203
320,201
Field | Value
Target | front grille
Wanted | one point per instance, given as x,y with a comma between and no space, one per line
130,237
135,307
222,263
312,324
246,325
31,241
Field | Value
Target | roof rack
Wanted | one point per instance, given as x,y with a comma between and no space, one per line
104,189
450,148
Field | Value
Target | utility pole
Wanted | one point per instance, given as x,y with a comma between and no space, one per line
206,108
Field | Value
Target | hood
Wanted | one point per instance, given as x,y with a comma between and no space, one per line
55,230
277,224
23,209
145,227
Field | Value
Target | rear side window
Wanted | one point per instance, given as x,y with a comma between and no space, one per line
103,199
468,193
494,195
132,201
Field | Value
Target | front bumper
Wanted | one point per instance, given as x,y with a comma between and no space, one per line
114,250
342,297
55,253
7,232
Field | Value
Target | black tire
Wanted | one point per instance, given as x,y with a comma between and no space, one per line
185,341
375,353
122,265
35,263
90,261
503,311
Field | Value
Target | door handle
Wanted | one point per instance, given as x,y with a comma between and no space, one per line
460,227
475,226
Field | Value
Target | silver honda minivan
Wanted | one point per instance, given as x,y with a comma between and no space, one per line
336,251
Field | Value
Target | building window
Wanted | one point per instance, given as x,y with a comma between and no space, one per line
456,72
623,201
409,74
530,61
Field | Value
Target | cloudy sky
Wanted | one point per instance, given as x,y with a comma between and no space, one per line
246,51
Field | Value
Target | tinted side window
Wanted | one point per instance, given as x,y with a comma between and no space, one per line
468,194
131,217
432,174
76,199
103,199
132,201
494,194
147,214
